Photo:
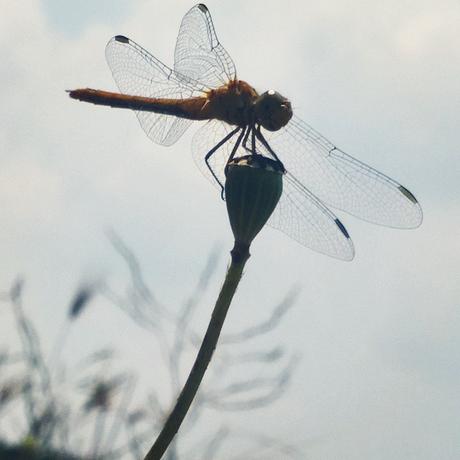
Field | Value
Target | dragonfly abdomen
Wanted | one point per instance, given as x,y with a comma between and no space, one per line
193,108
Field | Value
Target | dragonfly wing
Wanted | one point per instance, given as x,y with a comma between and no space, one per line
198,53
138,73
303,217
343,182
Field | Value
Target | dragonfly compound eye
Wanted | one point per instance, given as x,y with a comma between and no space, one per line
272,110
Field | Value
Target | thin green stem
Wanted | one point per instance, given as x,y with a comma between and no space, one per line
185,399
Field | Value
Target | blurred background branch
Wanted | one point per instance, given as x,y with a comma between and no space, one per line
92,411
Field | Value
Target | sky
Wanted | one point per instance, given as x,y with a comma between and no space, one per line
378,337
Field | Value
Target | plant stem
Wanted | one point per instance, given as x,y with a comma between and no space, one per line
235,271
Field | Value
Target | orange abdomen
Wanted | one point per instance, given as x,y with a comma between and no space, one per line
191,108
230,103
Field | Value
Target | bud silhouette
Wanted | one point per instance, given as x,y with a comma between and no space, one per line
253,188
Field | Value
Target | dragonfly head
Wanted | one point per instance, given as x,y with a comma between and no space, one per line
272,110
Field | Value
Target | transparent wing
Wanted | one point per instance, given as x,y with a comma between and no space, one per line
138,73
341,181
198,54
305,219
299,214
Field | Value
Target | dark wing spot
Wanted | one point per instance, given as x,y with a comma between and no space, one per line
408,194
342,228
121,39
203,7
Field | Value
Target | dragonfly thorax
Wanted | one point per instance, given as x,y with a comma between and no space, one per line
272,110
232,103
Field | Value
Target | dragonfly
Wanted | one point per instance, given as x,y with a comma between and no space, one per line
236,121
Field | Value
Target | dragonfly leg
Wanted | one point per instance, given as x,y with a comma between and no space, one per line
245,140
214,150
251,131
232,155
262,139
237,144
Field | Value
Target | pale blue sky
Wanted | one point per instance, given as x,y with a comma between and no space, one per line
379,336
72,19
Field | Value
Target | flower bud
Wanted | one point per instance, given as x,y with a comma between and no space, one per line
253,188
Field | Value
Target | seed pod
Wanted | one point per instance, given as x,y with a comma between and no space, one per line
253,188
